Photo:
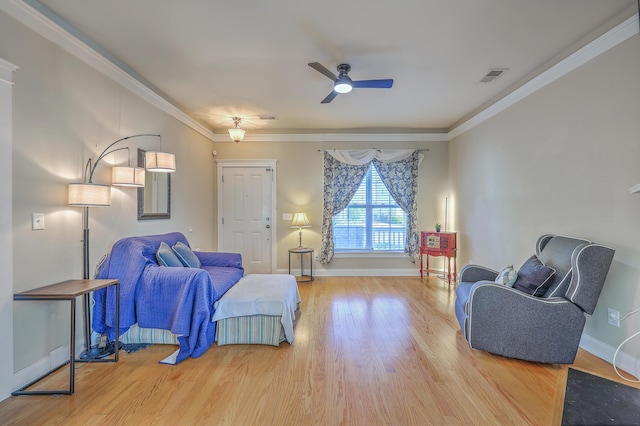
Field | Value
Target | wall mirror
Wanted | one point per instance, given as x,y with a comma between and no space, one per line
154,200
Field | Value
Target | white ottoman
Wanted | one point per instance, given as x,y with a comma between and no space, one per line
259,309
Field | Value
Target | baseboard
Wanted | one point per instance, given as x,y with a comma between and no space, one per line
41,367
406,272
32,372
603,351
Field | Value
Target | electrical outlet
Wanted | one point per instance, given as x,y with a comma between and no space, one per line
613,317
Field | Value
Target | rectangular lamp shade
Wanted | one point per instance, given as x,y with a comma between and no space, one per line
127,176
89,194
160,162
300,220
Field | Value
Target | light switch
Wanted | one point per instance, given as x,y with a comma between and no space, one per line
287,216
37,221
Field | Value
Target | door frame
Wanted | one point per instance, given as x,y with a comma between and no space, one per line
250,164
7,376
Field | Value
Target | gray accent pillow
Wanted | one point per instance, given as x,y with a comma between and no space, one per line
534,278
186,255
166,257
507,276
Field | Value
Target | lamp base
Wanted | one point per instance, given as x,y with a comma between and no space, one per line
97,352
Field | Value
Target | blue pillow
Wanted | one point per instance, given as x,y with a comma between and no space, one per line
166,257
186,255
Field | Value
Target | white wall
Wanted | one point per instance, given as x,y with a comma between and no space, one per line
64,113
299,189
561,161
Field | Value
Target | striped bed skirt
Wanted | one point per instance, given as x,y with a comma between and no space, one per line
256,329
136,334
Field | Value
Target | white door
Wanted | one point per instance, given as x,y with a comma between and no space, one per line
247,222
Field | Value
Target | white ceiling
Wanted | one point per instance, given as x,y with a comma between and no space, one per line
218,59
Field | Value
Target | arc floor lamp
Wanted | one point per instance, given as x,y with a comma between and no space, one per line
89,194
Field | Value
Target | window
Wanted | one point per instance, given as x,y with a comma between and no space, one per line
372,221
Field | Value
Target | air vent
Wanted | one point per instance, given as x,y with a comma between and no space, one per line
493,74
268,117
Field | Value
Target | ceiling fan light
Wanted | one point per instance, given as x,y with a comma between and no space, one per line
342,86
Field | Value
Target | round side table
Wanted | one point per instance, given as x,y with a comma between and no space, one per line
302,251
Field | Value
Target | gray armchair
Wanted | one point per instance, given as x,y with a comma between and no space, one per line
505,321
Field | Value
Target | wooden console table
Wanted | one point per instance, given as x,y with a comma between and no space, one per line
69,290
439,244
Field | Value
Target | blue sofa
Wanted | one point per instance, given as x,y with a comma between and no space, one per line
178,299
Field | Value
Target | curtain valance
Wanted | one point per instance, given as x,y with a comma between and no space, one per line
360,157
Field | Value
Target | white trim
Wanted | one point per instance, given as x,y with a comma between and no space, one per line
40,23
603,351
611,38
43,366
335,137
31,372
398,272
370,255
250,163
8,65
6,72
247,163
6,219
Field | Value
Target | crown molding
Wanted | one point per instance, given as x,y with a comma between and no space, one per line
336,137
8,65
6,72
610,39
85,50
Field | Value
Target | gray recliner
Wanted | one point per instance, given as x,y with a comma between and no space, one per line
505,321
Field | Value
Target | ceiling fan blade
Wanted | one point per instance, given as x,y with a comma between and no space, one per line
330,97
323,70
374,84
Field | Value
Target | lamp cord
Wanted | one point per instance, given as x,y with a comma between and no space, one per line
615,355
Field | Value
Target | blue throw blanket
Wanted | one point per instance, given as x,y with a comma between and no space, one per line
176,299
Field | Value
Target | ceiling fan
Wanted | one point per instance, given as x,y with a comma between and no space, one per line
344,84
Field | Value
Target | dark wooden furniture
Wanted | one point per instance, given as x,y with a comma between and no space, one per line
439,244
69,291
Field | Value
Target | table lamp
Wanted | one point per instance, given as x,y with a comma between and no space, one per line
300,221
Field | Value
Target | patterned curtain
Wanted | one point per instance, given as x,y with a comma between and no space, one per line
341,181
401,179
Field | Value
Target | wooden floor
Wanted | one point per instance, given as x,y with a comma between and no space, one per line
367,351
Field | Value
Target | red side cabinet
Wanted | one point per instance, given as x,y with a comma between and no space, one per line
439,244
